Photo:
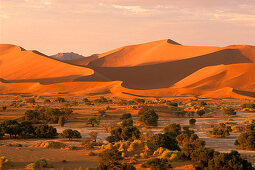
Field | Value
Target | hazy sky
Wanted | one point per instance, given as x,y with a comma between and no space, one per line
95,26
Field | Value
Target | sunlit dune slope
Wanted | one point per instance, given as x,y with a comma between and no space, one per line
149,53
19,65
237,76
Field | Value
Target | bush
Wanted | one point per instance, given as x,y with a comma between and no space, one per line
60,100
110,159
231,161
5,163
157,163
174,104
93,136
189,142
221,131
30,100
192,121
70,134
125,133
165,141
127,122
46,115
148,116
47,101
11,127
50,145
101,100
93,121
45,131
229,111
173,127
125,116
39,164
200,113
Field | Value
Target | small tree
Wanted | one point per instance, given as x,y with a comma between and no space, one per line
70,134
93,136
60,100
45,131
127,122
61,121
93,121
110,159
148,116
158,163
30,100
221,131
4,108
125,116
47,101
200,113
192,121
173,127
229,111
164,140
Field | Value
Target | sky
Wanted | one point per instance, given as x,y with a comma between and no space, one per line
95,26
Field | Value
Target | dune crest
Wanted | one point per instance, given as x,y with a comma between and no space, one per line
20,65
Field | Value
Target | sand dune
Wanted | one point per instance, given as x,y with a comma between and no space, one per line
237,76
165,74
19,65
149,53
156,69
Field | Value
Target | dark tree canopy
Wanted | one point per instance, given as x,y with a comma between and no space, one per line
148,116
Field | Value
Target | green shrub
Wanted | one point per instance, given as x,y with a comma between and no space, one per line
39,164
158,163
70,134
221,131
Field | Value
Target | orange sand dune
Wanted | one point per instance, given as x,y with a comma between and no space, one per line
149,53
226,92
112,89
18,65
163,75
67,88
237,76
162,51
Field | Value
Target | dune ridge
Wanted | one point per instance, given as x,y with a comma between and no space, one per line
162,68
18,64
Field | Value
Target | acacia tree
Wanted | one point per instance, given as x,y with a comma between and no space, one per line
148,116
93,121
70,134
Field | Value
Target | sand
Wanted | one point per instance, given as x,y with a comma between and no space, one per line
156,69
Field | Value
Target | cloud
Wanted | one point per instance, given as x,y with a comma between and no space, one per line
134,9
38,3
4,16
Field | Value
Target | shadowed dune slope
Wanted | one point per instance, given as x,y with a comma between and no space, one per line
20,65
238,76
166,74
149,53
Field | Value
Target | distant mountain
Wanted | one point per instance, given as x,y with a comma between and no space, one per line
67,56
